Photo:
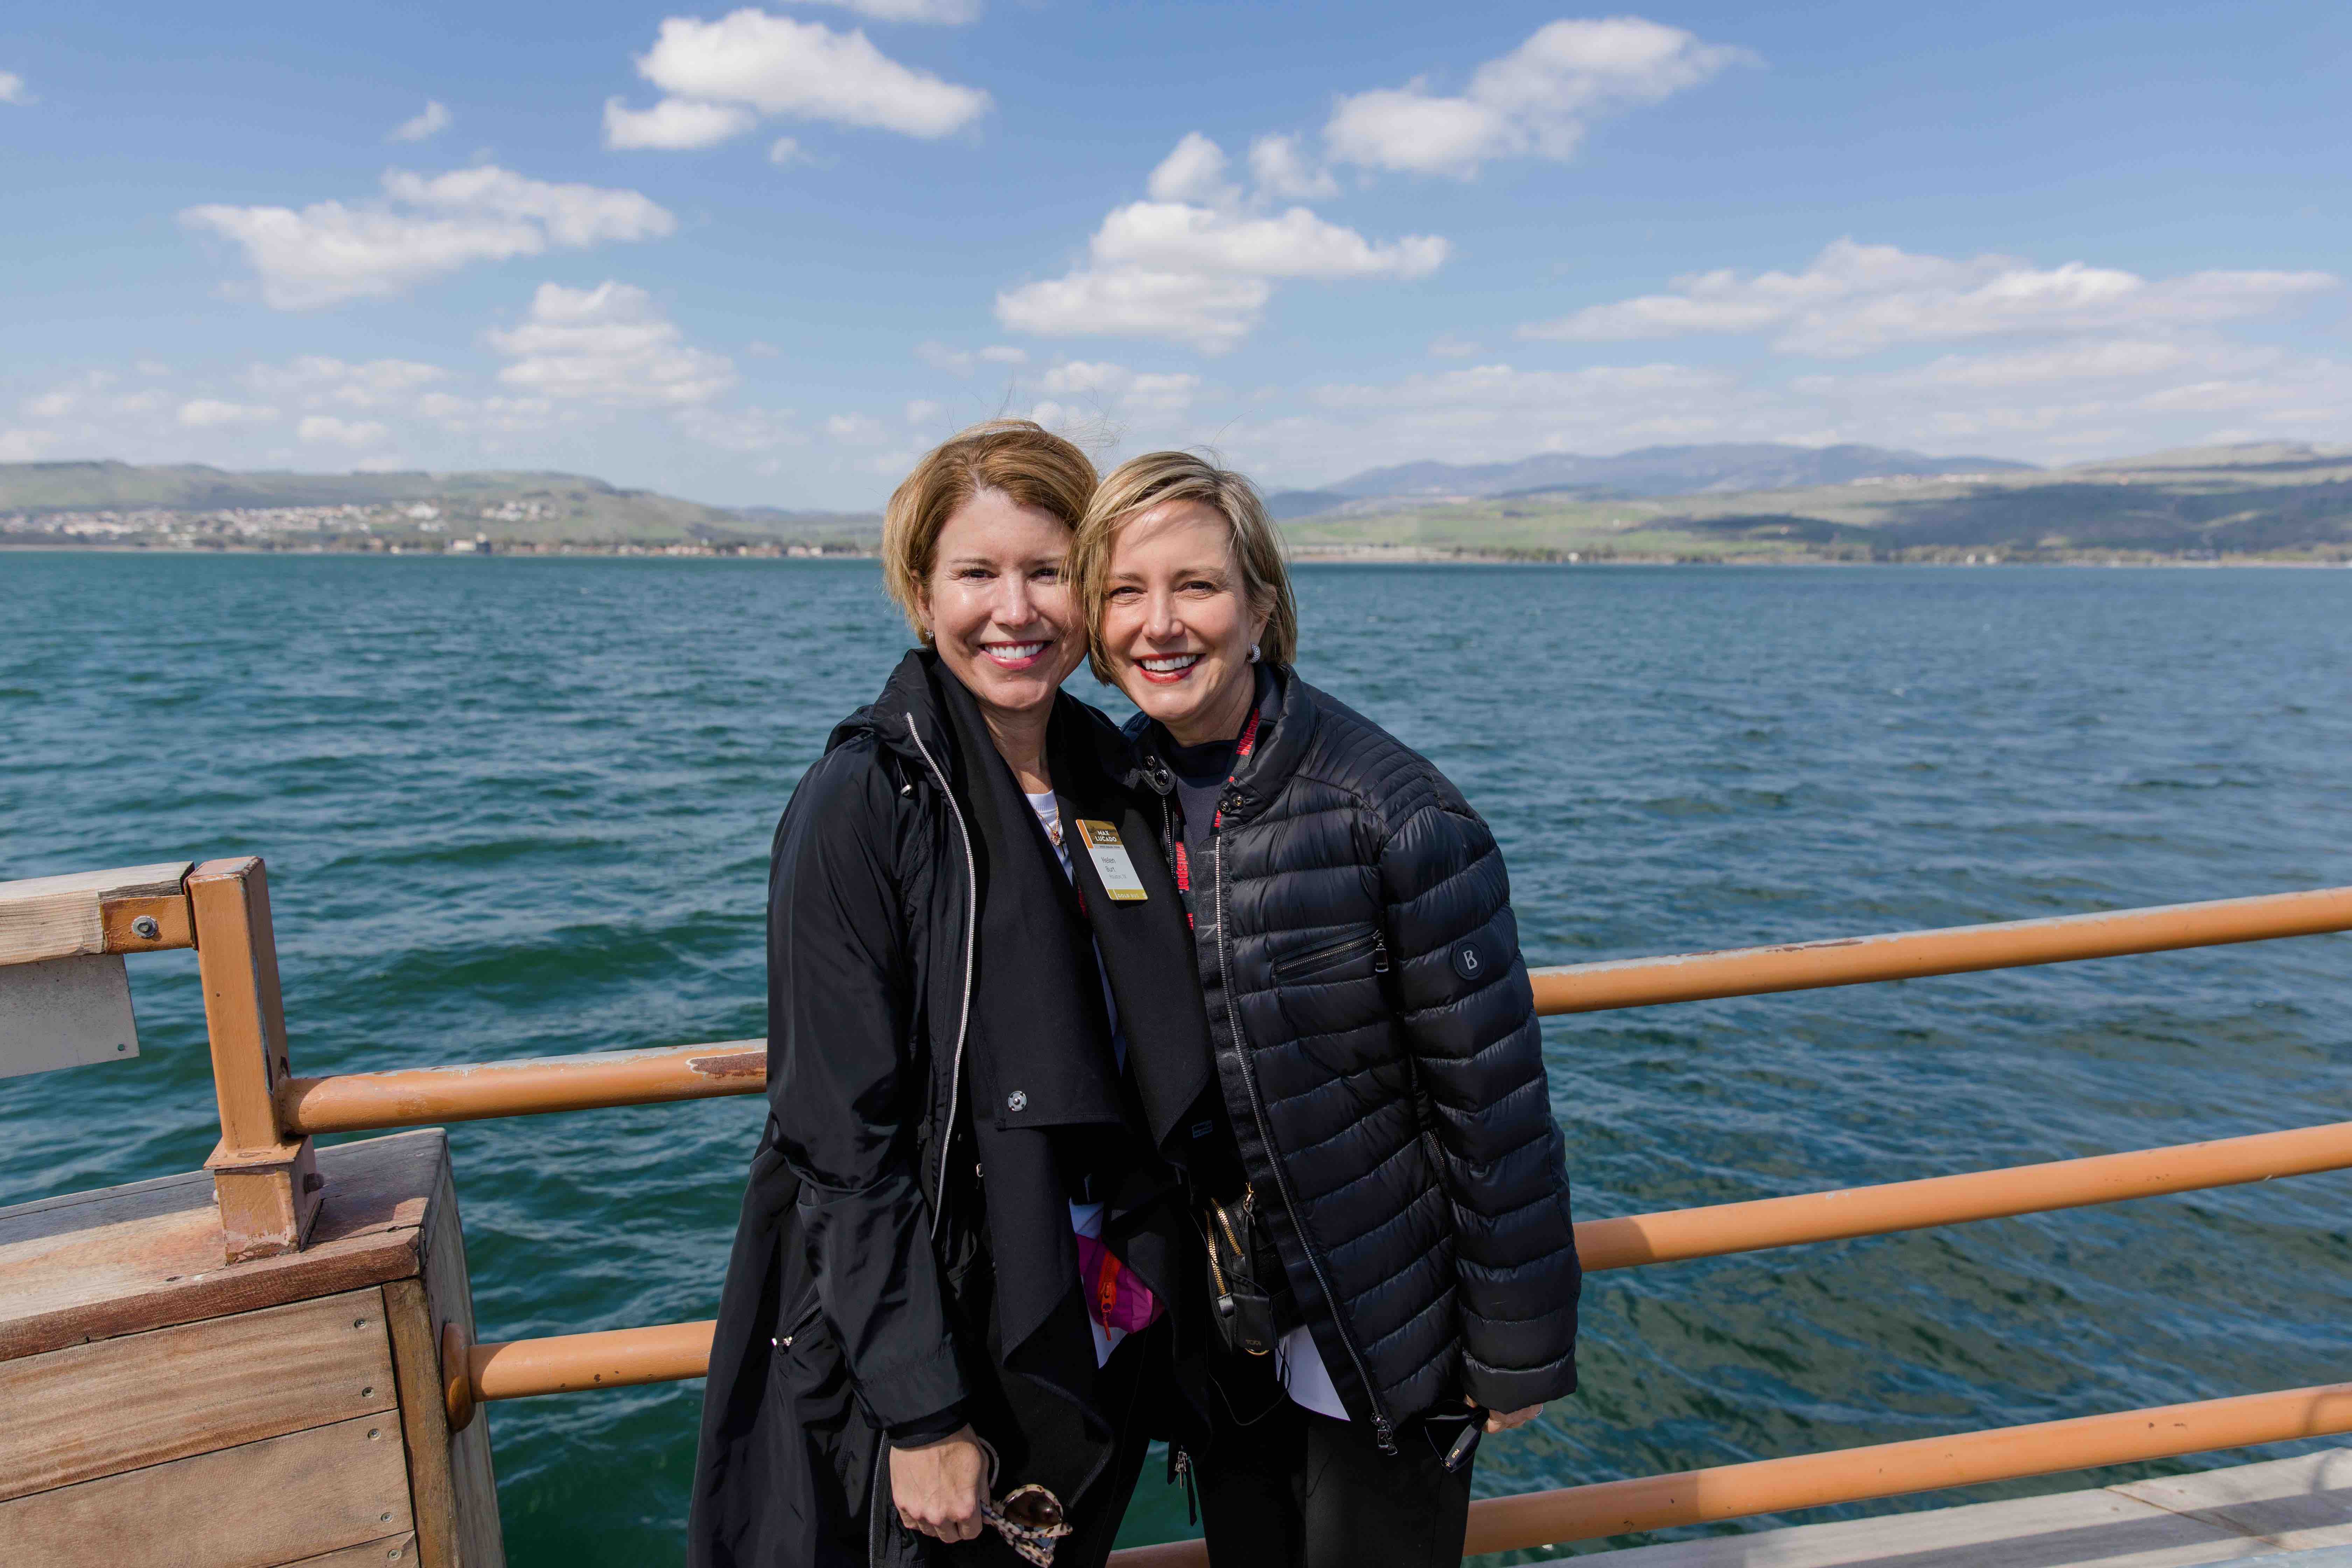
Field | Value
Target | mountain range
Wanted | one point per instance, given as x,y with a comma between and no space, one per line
1651,471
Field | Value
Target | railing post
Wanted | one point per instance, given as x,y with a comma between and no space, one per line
266,1182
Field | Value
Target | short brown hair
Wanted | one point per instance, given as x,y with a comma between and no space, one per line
1146,482
1020,457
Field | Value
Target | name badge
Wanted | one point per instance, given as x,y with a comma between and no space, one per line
1111,864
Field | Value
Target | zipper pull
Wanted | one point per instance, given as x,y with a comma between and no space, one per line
1384,1434
1380,955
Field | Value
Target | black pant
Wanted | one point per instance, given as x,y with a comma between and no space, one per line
1281,1487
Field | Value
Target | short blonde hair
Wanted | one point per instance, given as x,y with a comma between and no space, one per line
1143,482
1018,457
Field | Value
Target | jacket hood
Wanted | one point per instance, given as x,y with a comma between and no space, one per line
907,719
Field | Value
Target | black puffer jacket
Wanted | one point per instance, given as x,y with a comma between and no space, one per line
1376,1042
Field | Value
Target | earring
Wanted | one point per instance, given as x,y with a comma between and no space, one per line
1253,653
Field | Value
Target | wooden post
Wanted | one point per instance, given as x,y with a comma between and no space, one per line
266,1183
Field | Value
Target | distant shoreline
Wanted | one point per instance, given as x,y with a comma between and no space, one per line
1371,556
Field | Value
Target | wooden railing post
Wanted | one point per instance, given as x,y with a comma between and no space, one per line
266,1183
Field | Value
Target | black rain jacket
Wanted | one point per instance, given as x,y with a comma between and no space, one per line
1376,1040
863,1293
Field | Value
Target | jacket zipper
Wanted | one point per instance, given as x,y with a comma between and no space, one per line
1382,1432
1298,966
971,931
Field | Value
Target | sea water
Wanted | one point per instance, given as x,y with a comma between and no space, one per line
517,807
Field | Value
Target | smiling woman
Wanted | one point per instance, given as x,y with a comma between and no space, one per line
909,1359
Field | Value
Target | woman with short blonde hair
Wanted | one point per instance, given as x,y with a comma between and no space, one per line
1157,477
1384,1190
912,1366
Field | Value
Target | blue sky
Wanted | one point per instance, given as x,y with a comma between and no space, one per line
766,256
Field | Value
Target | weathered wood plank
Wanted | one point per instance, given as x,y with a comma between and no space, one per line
424,1421
257,1505
2227,1515
392,1551
449,1293
144,1399
147,1255
2300,1504
65,1013
57,916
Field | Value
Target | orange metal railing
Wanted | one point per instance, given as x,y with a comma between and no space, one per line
1887,1470
417,1097
273,1116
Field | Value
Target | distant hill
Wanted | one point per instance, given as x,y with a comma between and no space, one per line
1658,471
515,508
2276,500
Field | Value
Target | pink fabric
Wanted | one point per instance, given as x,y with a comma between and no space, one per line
1115,1298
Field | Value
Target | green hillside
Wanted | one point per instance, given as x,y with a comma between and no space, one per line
2271,502
124,504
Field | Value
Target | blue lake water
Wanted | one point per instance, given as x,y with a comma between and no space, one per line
518,808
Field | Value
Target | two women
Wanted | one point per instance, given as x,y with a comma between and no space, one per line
1051,1006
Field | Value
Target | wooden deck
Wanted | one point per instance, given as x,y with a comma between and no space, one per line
2297,1511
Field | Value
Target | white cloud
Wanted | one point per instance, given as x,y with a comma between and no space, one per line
1211,314
25,445
1536,102
1284,173
952,13
422,227
752,60
326,429
1445,345
675,125
1115,385
923,411
211,414
1193,171
610,344
748,430
944,356
857,430
961,362
432,122
1173,236
785,150
1855,299
313,379
13,91
1201,274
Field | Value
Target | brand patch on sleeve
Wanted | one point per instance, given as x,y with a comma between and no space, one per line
1111,862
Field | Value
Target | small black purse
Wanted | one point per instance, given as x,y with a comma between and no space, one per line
1245,1308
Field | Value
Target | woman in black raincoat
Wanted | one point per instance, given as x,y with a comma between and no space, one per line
981,1028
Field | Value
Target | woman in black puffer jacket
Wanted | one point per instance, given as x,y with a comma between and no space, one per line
1387,1122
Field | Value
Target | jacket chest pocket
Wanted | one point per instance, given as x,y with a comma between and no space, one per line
1334,985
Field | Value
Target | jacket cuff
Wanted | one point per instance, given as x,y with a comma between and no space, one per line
912,1392
930,1429
1515,1388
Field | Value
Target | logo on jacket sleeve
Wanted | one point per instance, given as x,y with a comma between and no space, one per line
1466,962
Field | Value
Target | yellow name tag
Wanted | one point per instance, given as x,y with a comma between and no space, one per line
1111,864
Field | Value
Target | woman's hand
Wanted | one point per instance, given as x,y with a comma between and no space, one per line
937,1487
1507,1420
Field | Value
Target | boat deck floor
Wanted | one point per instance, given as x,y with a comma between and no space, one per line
2297,1510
